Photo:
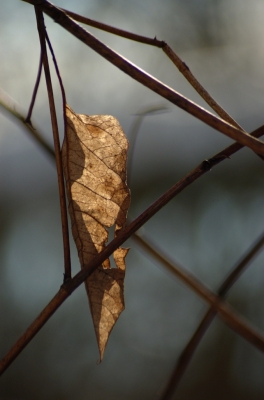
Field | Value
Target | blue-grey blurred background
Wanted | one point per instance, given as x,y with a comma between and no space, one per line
207,228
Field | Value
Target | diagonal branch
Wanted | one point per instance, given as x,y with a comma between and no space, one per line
224,310
182,67
147,80
116,31
185,70
152,248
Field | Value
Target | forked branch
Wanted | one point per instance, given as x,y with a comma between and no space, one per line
147,80
63,207
218,305
177,61
224,310
152,248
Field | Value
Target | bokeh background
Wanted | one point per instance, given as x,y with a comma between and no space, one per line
207,228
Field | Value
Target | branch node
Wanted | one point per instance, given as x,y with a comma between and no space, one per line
66,278
206,165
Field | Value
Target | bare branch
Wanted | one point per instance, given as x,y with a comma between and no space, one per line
63,207
32,330
116,31
224,310
191,346
35,91
218,305
147,80
182,67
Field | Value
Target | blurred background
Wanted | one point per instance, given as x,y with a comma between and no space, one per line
207,228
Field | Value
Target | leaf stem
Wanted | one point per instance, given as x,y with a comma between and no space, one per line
63,207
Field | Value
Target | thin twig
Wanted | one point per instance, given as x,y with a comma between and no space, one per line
14,109
133,226
187,353
116,31
67,274
63,207
241,265
149,246
225,311
147,80
35,91
177,61
182,67
60,82
185,70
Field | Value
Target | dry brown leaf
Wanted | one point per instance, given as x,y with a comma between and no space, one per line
94,157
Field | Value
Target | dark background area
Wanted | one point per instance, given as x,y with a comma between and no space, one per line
207,228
